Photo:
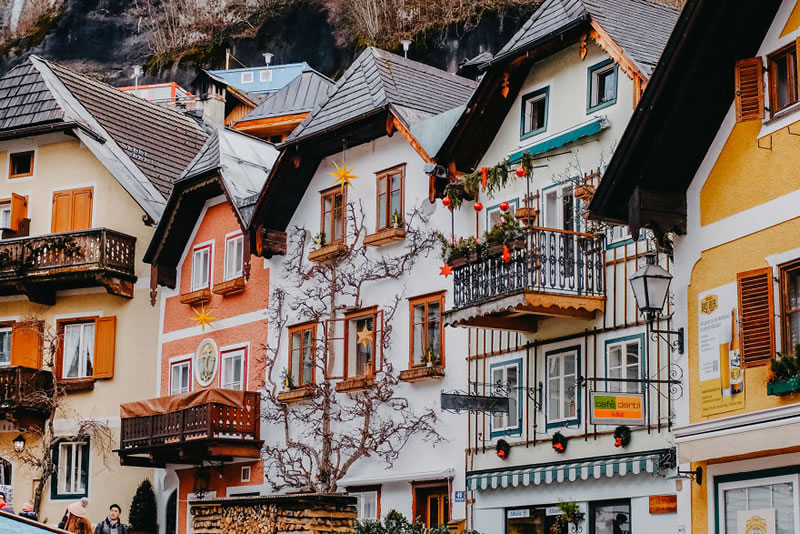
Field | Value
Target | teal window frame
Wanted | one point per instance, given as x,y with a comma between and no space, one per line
561,424
513,204
54,494
530,96
590,86
509,431
642,355
742,476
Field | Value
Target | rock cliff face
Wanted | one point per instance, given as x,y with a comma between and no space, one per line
107,38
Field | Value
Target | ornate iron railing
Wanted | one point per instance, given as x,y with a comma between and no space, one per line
204,421
544,260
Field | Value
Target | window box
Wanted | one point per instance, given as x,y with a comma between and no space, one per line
298,394
230,287
327,253
355,383
201,296
77,385
383,237
422,373
787,386
527,216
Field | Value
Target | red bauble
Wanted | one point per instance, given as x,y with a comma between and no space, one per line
446,202
504,206
520,172
478,206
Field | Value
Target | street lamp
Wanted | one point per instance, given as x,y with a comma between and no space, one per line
650,286
19,443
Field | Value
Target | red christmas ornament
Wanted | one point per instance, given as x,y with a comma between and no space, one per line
520,172
506,254
446,202
478,206
502,454
484,174
504,206
618,442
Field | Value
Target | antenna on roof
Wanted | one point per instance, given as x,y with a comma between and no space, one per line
406,45
137,71
267,57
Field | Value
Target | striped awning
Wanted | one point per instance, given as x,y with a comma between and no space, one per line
567,472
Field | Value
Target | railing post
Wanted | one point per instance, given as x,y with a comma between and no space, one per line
103,239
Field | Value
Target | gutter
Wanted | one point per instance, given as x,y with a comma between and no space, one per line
335,127
42,129
585,19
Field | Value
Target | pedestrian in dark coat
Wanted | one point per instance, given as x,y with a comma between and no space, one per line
111,524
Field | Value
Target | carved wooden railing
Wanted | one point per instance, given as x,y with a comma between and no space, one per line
544,260
204,421
25,388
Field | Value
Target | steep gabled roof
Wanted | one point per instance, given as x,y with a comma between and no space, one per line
378,78
302,95
25,99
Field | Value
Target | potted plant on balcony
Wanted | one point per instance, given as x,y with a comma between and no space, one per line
460,252
784,376
319,241
143,512
506,232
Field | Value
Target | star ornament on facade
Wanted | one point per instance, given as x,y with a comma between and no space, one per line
445,270
203,318
343,175
365,336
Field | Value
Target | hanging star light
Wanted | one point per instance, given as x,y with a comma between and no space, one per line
446,270
365,336
343,175
203,317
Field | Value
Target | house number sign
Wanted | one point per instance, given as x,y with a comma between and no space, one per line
206,361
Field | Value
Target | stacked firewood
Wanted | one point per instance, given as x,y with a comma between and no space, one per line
262,518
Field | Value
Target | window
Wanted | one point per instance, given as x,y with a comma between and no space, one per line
539,519
78,350
610,517
427,334
247,77
233,369
562,385
301,353
245,474
618,235
602,85
5,472
333,215
774,495
361,344
5,346
782,78
390,198
201,267
180,377
506,383
790,305
559,208
234,257
5,215
72,210
20,164
494,213
534,112
367,503
72,470
265,75
623,360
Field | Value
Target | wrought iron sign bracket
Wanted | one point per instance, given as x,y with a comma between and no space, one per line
676,345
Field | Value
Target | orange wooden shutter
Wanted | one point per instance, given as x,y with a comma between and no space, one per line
82,208
26,345
105,334
19,210
757,317
749,89
62,212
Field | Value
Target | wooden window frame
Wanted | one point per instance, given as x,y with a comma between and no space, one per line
195,250
300,328
245,357
416,301
354,316
791,73
61,331
332,192
11,174
181,361
785,269
427,488
385,175
226,275
9,326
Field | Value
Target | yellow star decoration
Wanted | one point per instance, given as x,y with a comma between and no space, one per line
343,175
203,318
365,336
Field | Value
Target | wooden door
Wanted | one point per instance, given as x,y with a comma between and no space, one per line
72,210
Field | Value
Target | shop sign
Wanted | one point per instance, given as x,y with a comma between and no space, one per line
519,514
663,504
761,521
616,408
553,510
460,496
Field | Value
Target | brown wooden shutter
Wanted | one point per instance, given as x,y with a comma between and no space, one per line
749,89
19,210
105,333
61,218
82,208
756,314
26,345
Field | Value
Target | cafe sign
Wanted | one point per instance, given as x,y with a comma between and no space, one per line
608,408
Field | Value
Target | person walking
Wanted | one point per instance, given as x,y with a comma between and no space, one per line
111,524
5,506
28,511
75,520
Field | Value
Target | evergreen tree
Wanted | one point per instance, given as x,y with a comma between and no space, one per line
143,508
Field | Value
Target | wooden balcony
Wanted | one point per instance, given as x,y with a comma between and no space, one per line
25,395
549,273
208,431
38,266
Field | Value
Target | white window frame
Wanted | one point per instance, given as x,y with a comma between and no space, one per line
227,353
594,95
184,361
561,355
246,472
623,387
5,220
512,421
76,465
247,77
81,344
207,248
359,495
794,479
265,75
230,239
7,330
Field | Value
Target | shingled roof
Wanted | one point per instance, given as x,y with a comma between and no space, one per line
640,28
25,99
301,95
378,78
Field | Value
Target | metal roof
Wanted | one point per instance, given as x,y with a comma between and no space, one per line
301,95
281,75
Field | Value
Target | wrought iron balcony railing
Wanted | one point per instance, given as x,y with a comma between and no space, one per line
544,260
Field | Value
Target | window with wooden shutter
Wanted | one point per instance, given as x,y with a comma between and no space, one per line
19,210
749,89
87,348
104,344
26,345
72,210
757,326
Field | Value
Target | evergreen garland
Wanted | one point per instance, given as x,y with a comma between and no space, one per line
559,443
497,177
622,436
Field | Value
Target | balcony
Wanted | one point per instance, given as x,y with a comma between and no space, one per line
211,424
38,266
548,273
25,395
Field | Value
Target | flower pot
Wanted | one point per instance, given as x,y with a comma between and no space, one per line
527,216
430,363
786,386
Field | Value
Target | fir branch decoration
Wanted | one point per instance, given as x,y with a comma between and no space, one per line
622,436
559,443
